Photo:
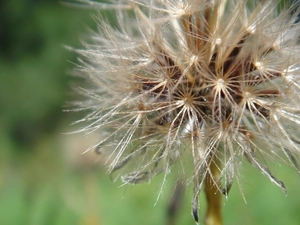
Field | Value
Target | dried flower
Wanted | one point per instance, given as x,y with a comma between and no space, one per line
194,82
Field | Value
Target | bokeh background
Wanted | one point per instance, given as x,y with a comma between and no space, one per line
44,178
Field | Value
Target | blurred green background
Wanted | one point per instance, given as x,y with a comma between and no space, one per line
44,178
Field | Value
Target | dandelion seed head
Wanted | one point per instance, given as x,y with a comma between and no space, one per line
190,82
259,65
218,41
193,60
251,28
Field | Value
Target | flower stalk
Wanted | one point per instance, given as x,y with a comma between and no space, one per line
213,195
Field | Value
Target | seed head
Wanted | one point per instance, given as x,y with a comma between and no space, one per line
194,82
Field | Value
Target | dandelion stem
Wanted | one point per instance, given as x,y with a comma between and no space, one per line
213,195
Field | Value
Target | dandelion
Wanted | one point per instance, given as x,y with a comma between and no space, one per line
196,85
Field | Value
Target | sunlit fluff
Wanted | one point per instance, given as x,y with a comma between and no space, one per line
181,83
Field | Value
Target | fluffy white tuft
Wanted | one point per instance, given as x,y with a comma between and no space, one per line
193,81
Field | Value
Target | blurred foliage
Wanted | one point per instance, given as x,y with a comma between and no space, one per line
43,177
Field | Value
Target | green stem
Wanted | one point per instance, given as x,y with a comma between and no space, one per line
213,195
